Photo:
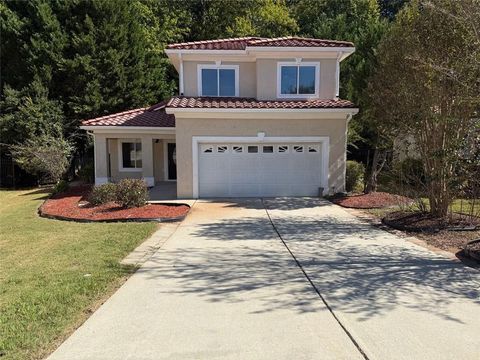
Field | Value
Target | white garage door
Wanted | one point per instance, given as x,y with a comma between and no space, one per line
244,170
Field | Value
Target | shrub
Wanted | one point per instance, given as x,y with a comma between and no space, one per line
45,156
87,173
103,194
132,193
354,175
61,186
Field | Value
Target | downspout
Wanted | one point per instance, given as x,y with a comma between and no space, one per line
337,75
180,75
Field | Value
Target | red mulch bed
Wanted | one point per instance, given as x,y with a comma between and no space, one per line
373,200
66,205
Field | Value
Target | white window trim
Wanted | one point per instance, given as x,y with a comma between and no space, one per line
299,64
324,142
200,67
120,155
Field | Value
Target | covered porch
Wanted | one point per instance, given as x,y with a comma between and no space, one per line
151,157
163,190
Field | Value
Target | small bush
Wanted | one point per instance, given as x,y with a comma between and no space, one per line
132,193
61,186
87,173
103,194
354,175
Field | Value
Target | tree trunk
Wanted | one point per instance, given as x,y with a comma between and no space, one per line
379,160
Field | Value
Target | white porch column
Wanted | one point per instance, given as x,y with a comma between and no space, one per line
101,159
147,160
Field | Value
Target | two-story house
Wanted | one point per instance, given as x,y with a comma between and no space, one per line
255,117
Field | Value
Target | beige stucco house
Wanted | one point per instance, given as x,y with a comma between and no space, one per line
255,117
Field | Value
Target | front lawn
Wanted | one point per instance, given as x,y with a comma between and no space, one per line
54,273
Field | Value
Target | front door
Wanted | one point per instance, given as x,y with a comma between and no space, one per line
172,161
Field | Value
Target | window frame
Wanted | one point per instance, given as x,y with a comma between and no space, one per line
120,155
200,67
281,64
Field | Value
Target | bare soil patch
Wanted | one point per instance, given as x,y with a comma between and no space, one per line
452,235
73,205
425,222
373,200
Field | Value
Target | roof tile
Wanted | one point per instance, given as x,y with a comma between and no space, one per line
242,43
251,103
153,116
220,44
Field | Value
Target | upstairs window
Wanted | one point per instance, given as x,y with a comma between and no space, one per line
221,80
298,80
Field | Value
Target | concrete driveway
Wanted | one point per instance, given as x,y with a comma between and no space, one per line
285,279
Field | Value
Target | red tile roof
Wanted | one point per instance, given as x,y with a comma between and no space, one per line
220,44
242,43
153,116
251,103
295,41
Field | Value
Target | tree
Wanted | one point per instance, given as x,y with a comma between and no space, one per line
45,156
29,113
390,8
111,63
427,86
359,21
79,59
214,19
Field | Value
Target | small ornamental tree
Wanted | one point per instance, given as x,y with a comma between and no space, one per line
427,87
45,156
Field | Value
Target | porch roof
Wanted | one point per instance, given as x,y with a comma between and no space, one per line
153,116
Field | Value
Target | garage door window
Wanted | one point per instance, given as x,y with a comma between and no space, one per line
222,148
207,149
312,148
298,148
237,149
253,149
268,149
283,148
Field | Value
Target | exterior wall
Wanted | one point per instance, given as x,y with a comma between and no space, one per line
247,77
107,157
334,128
267,77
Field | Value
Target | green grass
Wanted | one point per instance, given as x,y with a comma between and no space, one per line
465,206
53,272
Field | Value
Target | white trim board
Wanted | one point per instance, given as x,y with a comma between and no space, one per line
346,50
197,140
173,110
130,129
